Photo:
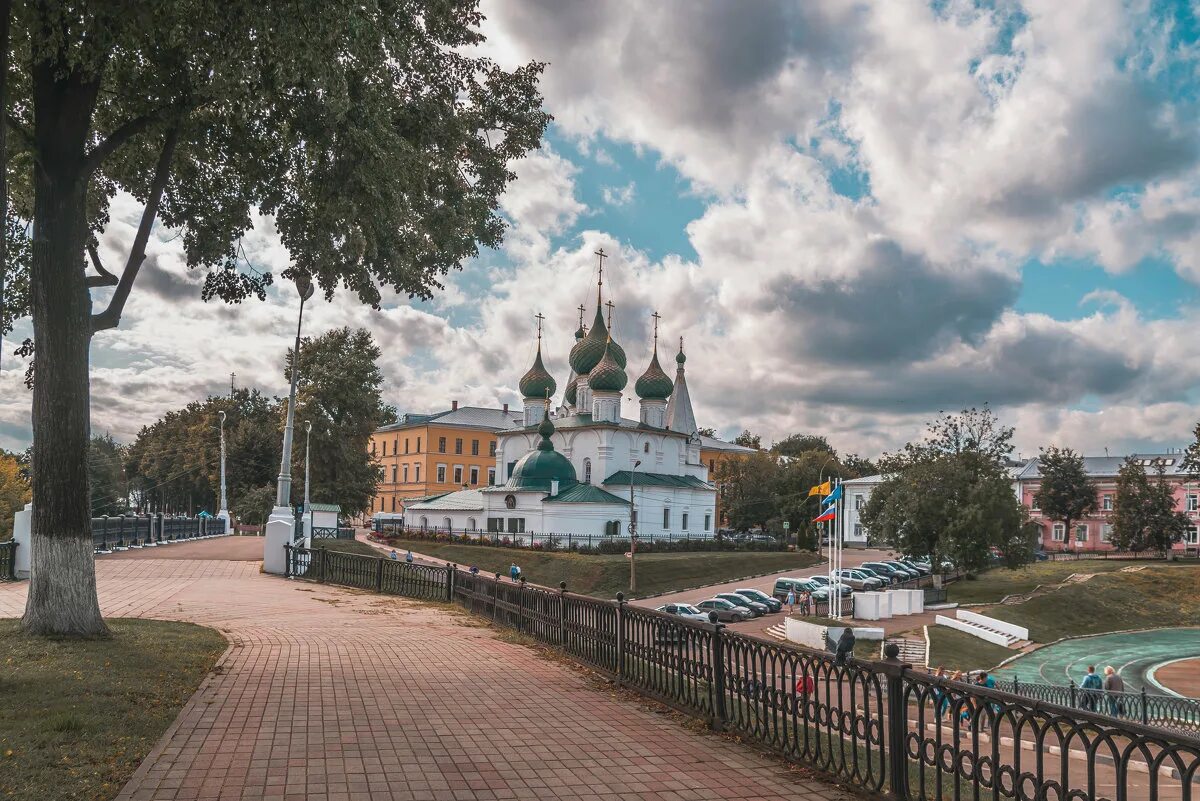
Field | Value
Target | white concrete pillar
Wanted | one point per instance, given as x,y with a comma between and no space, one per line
23,536
281,528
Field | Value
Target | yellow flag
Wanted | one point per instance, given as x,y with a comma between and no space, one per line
821,489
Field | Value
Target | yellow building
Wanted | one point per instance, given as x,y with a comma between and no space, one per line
431,454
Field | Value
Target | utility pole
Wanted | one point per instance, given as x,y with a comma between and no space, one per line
307,447
633,531
231,377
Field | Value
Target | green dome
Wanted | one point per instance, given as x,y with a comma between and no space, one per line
679,357
588,351
539,467
654,383
608,375
537,383
570,395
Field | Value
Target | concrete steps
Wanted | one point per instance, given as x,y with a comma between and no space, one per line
911,651
777,631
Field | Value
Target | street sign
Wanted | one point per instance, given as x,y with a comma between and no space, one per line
629,554
632,527
786,525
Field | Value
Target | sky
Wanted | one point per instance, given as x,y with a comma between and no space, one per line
856,214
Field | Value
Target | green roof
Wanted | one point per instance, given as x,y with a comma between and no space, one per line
537,383
588,351
608,375
622,477
539,467
654,383
584,493
324,507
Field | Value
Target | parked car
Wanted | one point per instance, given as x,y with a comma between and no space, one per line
858,581
799,585
760,596
886,573
823,581
921,569
903,568
726,612
685,611
755,608
1040,556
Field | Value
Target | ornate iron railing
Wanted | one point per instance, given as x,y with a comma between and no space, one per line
130,531
8,560
1160,711
560,541
339,533
879,726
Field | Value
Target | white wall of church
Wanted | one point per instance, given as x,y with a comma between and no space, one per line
600,452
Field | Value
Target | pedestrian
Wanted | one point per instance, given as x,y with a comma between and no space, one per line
474,570
845,646
513,572
1114,685
791,601
1091,686
941,699
805,685
393,554
408,557
805,602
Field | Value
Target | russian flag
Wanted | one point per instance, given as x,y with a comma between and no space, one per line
828,514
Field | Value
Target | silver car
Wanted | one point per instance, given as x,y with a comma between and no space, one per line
685,611
859,581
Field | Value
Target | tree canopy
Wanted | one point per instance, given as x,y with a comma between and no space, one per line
1065,493
14,491
1144,515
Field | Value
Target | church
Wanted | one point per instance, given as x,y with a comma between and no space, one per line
581,468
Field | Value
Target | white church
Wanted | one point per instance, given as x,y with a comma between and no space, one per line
576,469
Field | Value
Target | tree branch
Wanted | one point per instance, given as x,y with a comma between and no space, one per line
120,136
111,316
105,278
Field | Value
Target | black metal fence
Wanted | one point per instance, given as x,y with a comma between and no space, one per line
128,531
339,533
880,726
1072,556
8,560
581,543
1161,711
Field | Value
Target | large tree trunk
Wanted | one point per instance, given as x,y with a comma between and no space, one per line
62,588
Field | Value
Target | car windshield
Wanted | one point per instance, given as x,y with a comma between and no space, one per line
720,603
734,599
755,594
684,609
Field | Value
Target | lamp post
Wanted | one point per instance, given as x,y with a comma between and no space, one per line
281,527
307,513
633,531
223,511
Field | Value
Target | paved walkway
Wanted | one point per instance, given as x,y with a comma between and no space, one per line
327,694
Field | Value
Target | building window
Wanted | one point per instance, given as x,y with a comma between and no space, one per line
666,518
1193,503
645,447
474,447
1081,532
474,476
1060,532
587,471
491,476
446,524
385,447
458,445
393,503
405,474
683,521
859,501
441,444
516,525
406,445
418,444
457,474
417,478
1106,532
707,522
508,471
372,447
395,446
424,523
1033,502
470,524
393,474
1193,535
1106,502
492,448
441,474
858,531
495,524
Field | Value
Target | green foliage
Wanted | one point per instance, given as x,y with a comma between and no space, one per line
796,444
748,440
253,506
1066,493
1191,456
858,466
106,476
14,492
339,392
1144,516
747,489
974,431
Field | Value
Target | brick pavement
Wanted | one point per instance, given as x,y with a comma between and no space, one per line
327,694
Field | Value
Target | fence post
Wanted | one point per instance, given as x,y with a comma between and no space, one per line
562,613
621,636
1145,713
450,571
521,606
897,723
321,555
379,575
1016,686
495,594
1072,693
717,658
287,560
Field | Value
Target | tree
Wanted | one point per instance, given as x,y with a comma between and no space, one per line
1144,515
858,466
794,478
1190,464
707,432
746,487
1066,493
339,392
14,492
106,476
976,431
796,444
373,134
748,440
253,506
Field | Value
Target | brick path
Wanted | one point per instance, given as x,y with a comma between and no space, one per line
329,695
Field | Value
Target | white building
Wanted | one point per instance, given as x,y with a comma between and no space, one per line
573,471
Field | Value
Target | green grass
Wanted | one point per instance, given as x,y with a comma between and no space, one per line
956,650
1160,596
991,586
78,716
347,546
604,576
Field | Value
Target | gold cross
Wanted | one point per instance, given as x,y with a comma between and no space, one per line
609,304
582,309
539,318
656,317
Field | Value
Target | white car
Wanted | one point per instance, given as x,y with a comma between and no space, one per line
685,611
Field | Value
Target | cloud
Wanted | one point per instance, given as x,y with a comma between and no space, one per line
618,195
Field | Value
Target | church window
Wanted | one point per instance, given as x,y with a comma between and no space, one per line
424,523
587,471
645,447
470,524
509,472
446,523
516,525
707,522
666,518
683,521
495,524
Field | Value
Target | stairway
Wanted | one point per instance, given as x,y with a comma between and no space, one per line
912,652
982,630
777,631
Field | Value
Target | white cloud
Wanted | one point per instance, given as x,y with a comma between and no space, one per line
618,195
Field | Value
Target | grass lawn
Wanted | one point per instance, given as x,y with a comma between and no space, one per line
1161,595
77,717
603,575
955,650
347,546
991,586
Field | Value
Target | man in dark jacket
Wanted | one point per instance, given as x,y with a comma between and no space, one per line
845,646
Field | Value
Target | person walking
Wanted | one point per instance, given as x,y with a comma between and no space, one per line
791,601
514,572
1114,685
805,602
1091,686
845,646
408,557
941,698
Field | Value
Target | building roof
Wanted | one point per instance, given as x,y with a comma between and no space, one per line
324,507
463,416
537,382
1109,466
608,375
585,493
461,501
714,444
654,384
622,478
680,416
540,467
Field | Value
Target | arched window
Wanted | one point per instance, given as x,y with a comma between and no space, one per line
424,522
587,471
470,524
646,447
446,523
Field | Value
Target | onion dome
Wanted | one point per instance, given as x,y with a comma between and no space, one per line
539,467
654,383
571,396
588,351
679,357
537,383
608,375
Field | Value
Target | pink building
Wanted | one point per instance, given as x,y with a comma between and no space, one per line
1094,532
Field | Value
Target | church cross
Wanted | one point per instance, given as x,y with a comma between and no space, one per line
582,309
539,317
600,252
609,304
656,317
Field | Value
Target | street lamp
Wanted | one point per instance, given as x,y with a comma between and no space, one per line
633,530
307,444
223,512
281,527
